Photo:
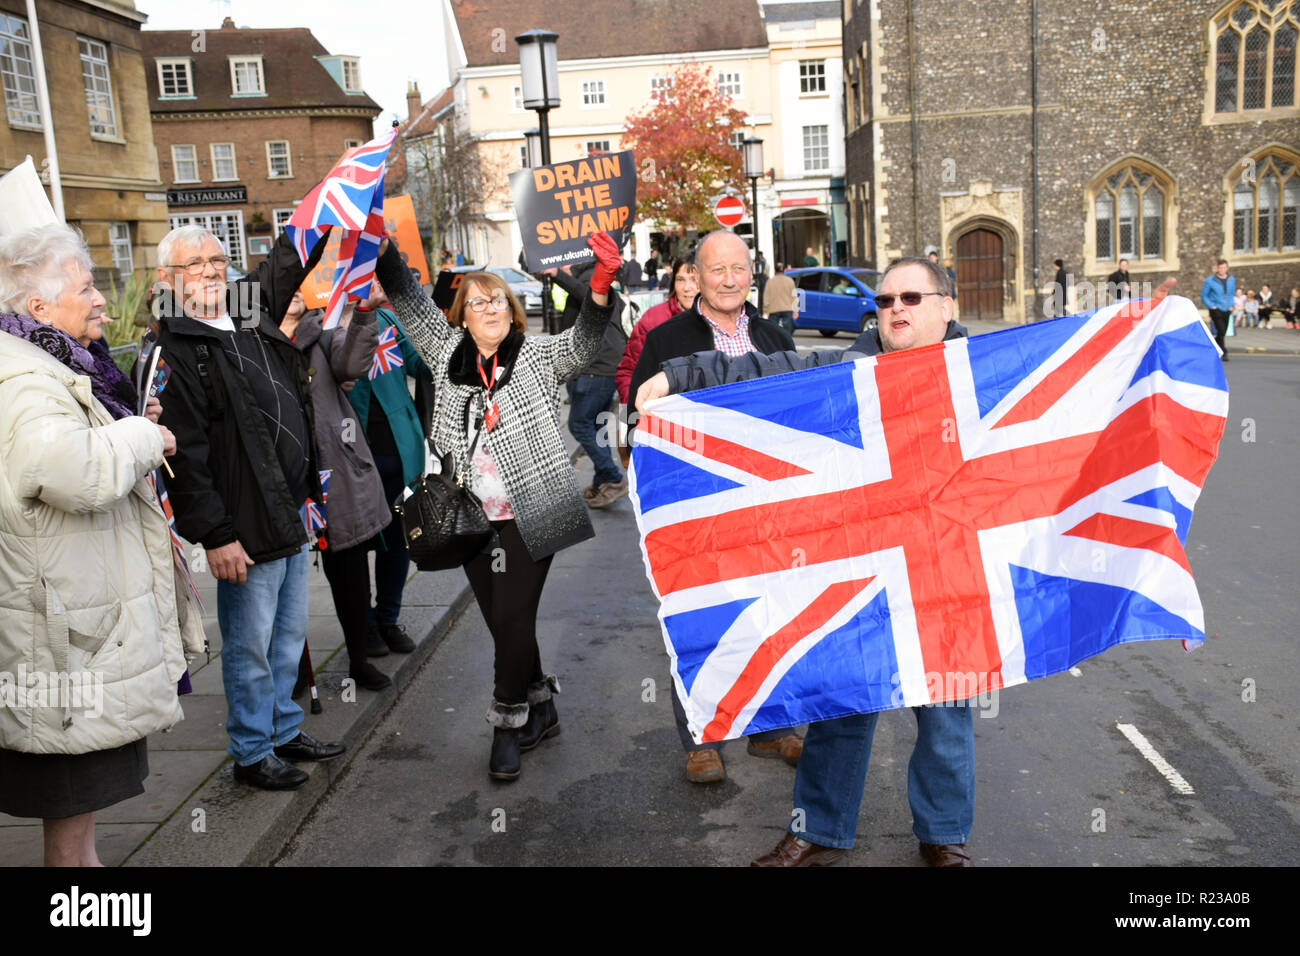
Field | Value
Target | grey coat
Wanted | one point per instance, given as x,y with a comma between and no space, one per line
356,510
526,443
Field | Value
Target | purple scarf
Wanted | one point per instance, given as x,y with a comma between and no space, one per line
105,380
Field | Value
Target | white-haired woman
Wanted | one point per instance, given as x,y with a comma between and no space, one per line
91,639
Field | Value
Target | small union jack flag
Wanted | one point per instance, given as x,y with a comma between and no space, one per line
352,198
178,546
387,355
315,516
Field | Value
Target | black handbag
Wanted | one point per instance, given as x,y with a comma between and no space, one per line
442,520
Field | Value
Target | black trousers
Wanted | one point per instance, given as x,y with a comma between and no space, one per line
1219,318
348,572
507,584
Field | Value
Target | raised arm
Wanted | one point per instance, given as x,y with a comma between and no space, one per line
574,348
706,369
280,274
352,356
424,322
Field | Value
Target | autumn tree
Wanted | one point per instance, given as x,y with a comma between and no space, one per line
682,140
448,176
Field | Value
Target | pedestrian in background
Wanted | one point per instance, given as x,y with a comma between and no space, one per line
356,509
1217,292
684,285
396,426
495,412
782,302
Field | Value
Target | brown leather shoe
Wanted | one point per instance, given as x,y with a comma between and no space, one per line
789,748
796,851
945,854
704,766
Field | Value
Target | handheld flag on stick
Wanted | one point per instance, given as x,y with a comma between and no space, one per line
352,198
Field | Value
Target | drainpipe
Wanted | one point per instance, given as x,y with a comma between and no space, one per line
916,131
47,117
1033,112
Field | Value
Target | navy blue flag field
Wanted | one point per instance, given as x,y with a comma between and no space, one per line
932,524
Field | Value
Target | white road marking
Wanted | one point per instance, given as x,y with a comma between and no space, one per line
1160,763
1076,672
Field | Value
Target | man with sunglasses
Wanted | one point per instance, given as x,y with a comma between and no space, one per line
915,308
238,402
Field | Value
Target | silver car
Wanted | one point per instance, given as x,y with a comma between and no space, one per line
525,288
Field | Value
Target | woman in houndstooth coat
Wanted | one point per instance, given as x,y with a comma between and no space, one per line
497,394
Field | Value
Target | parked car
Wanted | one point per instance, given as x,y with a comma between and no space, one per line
835,299
526,289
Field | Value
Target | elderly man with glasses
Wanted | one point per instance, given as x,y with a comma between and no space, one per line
239,404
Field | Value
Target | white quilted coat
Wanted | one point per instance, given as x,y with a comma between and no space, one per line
87,581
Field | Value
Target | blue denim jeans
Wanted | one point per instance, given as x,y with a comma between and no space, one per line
940,777
589,395
263,630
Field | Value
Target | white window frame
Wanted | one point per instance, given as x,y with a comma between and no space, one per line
824,145
602,146
355,64
351,144
517,99
18,74
280,217
119,244
806,77
593,94
737,138
729,81
176,163
233,241
663,85
98,82
234,164
175,62
523,156
288,160
236,61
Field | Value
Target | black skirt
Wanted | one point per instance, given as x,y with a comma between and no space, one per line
54,786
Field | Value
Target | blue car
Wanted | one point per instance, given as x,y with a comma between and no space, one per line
835,299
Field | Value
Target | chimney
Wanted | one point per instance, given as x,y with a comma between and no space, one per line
412,99
228,24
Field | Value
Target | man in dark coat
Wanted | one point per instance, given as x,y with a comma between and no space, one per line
722,319
238,402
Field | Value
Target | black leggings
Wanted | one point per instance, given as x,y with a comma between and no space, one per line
507,584
348,572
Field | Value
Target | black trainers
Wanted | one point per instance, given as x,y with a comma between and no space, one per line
395,636
375,646
369,676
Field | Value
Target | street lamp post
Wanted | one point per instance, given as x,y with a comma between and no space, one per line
753,147
533,147
540,83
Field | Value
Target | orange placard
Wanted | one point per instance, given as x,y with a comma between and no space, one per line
399,220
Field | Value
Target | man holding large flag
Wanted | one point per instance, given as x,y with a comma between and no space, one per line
964,459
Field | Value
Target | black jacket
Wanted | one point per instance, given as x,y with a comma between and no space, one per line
229,485
687,332
706,369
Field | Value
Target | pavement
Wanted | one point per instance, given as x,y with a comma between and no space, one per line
192,812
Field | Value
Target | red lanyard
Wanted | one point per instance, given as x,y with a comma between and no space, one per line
489,417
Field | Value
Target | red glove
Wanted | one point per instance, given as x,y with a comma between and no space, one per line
608,261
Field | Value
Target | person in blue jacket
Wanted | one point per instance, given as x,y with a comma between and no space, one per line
1216,295
395,431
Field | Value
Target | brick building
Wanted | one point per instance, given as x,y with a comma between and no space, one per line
100,114
1168,134
246,122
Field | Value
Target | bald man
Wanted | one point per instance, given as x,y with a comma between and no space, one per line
720,319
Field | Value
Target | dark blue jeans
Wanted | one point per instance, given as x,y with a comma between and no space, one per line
589,395
940,776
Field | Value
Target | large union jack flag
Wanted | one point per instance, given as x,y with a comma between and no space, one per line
927,525
352,198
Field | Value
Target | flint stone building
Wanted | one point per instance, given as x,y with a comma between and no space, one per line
1168,134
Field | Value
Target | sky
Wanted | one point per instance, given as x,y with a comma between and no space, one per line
396,41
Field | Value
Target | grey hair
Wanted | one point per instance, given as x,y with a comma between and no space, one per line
938,276
32,264
185,235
